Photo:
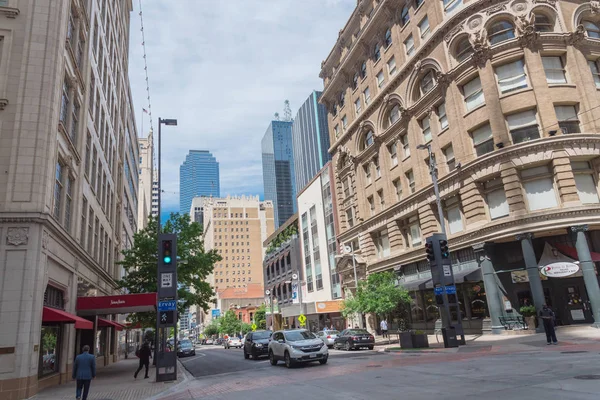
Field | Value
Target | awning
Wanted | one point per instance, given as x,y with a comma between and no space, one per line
469,275
572,252
111,324
53,315
417,284
119,304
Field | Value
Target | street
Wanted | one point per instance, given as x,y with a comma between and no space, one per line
537,371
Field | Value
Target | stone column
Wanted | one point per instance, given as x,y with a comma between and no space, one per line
492,101
535,282
492,292
587,267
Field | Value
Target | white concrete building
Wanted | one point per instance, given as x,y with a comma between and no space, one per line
146,179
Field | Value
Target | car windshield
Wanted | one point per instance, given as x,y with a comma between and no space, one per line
261,335
358,332
294,336
185,343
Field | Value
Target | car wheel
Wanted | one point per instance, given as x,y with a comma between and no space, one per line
347,346
288,360
329,346
370,347
246,355
272,358
323,361
254,356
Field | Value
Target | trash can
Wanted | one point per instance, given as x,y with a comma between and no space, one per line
449,335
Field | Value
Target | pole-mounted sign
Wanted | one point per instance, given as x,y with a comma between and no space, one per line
166,316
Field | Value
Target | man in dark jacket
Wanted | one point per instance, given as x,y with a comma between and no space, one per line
548,317
84,370
145,354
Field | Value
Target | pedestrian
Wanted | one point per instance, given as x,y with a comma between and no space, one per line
548,318
384,328
144,354
84,370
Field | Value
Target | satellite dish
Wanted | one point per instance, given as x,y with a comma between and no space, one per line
294,276
268,292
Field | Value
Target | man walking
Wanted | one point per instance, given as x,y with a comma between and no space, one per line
84,370
384,327
144,354
548,317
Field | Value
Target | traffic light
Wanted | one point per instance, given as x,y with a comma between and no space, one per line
429,251
444,249
167,252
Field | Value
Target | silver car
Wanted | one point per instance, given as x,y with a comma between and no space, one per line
297,346
328,337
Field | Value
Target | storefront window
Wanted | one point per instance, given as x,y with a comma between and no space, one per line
100,342
49,350
432,310
477,300
417,309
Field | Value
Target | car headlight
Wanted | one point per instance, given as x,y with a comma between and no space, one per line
296,347
257,344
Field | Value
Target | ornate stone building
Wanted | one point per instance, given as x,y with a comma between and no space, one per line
505,94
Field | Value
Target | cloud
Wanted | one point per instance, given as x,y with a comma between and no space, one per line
223,69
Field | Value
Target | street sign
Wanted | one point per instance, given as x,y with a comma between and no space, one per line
438,290
167,305
166,280
302,319
253,327
447,270
216,313
451,289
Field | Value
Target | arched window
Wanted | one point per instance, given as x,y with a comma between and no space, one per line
543,23
377,52
342,99
404,17
394,114
363,70
592,29
355,81
368,140
427,83
388,38
463,50
501,31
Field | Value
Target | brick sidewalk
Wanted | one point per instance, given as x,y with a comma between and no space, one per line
116,382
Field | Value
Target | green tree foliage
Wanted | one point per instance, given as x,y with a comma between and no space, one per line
229,324
245,328
260,317
212,329
283,237
140,264
378,294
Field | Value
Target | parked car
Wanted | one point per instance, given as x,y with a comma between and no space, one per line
297,346
350,339
185,348
218,341
328,337
208,341
232,342
256,344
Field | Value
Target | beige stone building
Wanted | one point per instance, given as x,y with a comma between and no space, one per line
236,227
506,94
68,204
146,176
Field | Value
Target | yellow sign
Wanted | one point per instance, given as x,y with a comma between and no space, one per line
253,327
302,319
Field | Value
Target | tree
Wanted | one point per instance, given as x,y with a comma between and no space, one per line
212,329
140,264
245,328
229,324
378,294
260,317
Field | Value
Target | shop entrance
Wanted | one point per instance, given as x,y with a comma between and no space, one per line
578,310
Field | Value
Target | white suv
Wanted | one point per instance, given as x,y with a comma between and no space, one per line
297,346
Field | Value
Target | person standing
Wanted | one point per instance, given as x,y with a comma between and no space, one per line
145,354
84,370
384,327
548,318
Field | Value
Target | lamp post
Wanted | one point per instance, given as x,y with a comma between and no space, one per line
168,122
270,294
436,189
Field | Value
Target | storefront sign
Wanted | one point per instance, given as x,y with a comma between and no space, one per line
327,306
521,276
577,315
560,269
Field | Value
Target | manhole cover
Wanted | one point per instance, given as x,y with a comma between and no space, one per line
374,366
588,377
574,352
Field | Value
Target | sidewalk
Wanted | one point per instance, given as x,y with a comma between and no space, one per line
116,382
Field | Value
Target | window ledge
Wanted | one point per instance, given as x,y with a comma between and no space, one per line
446,129
394,167
405,158
378,178
10,12
568,85
377,62
473,110
515,92
385,50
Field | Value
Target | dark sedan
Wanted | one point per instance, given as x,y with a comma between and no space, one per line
185,348
354,339
257,344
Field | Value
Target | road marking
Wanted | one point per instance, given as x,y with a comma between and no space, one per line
198,355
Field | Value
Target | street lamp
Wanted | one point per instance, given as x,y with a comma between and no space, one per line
436,189
167,122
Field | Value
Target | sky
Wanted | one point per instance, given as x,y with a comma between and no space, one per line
222,69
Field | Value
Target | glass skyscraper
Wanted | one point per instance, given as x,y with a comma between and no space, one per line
278,170
198,176
310,139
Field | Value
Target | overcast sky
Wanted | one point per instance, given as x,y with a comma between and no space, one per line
223,68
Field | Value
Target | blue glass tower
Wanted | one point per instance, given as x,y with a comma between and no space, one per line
198,176
310,139
278,170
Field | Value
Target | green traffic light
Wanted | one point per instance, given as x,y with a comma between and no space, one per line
167,260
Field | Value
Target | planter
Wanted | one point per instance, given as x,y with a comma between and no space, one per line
530,321
419,341
406,341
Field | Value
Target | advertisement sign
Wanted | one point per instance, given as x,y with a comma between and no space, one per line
327,306
560,269
295,298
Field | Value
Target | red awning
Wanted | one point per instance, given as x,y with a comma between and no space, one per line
119,304
572,252
108,323
54,315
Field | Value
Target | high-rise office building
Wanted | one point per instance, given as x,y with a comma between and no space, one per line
311,140
278,169
69,184
198,176
146,179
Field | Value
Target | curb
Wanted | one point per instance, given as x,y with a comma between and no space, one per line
175,388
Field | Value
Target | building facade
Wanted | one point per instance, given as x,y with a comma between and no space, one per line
310,138
236,228
198,176
69,150
505,94
278,169
145,179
